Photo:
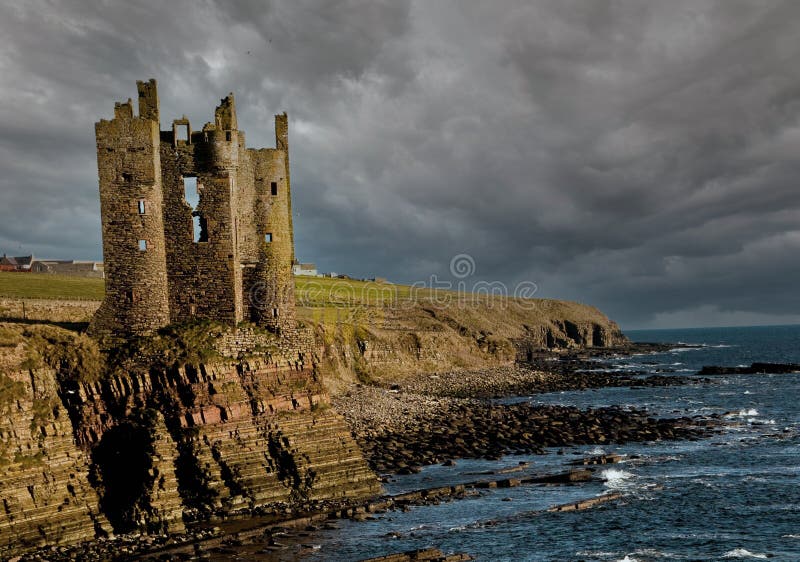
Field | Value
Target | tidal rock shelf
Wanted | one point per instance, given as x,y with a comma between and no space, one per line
529,379
435,431
255,537
753,369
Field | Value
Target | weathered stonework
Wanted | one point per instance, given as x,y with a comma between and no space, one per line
228,259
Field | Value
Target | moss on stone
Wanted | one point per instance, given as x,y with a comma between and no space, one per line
74,356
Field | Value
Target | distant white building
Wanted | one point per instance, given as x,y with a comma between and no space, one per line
69,267
305,269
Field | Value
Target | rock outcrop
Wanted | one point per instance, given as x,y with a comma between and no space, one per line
149,449
427,336
46,494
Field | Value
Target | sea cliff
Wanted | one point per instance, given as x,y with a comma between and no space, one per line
204,421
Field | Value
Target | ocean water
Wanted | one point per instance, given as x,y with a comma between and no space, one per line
732,496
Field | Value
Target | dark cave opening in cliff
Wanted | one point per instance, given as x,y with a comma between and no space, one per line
122,473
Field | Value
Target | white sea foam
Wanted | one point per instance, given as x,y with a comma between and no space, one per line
595,553
616,478
650,553
628,558
597,451
748,413
743,553
790,536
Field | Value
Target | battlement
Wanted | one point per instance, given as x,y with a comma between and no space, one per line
195,225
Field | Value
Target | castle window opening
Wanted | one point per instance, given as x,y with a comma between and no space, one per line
274,312
127,177
268,237
199,228
274,187
227,135
190,192
142,245
182,132
142,206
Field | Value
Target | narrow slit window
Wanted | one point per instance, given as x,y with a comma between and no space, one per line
142,245
274,312
200,228
274,187
190,192
268,237
141,205
227,135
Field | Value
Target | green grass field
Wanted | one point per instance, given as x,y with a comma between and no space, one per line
44,286
310,292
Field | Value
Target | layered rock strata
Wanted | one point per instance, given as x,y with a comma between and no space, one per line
148,450
46,494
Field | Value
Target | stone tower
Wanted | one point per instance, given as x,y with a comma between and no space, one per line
272,300
214,215
131,207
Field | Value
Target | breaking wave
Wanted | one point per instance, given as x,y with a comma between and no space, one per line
748,413
743,553
616,478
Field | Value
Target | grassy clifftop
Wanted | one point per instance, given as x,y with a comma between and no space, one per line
371,331
325,301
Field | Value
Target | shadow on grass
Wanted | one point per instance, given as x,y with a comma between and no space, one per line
72,326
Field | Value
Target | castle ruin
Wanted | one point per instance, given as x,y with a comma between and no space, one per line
195,225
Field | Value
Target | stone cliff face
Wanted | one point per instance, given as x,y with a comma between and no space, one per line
148,450
424,336
46,494
152,448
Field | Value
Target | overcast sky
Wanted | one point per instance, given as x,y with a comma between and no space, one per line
643,157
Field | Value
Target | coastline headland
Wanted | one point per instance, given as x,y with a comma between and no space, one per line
205,422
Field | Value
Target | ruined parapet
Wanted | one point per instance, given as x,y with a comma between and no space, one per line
129,167
195,225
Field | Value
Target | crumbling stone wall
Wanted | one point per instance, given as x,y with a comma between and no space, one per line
229,258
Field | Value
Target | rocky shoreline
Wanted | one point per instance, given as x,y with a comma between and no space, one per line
399,431
431,419
435,418
530,379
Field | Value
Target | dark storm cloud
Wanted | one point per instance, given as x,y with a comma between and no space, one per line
640,156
